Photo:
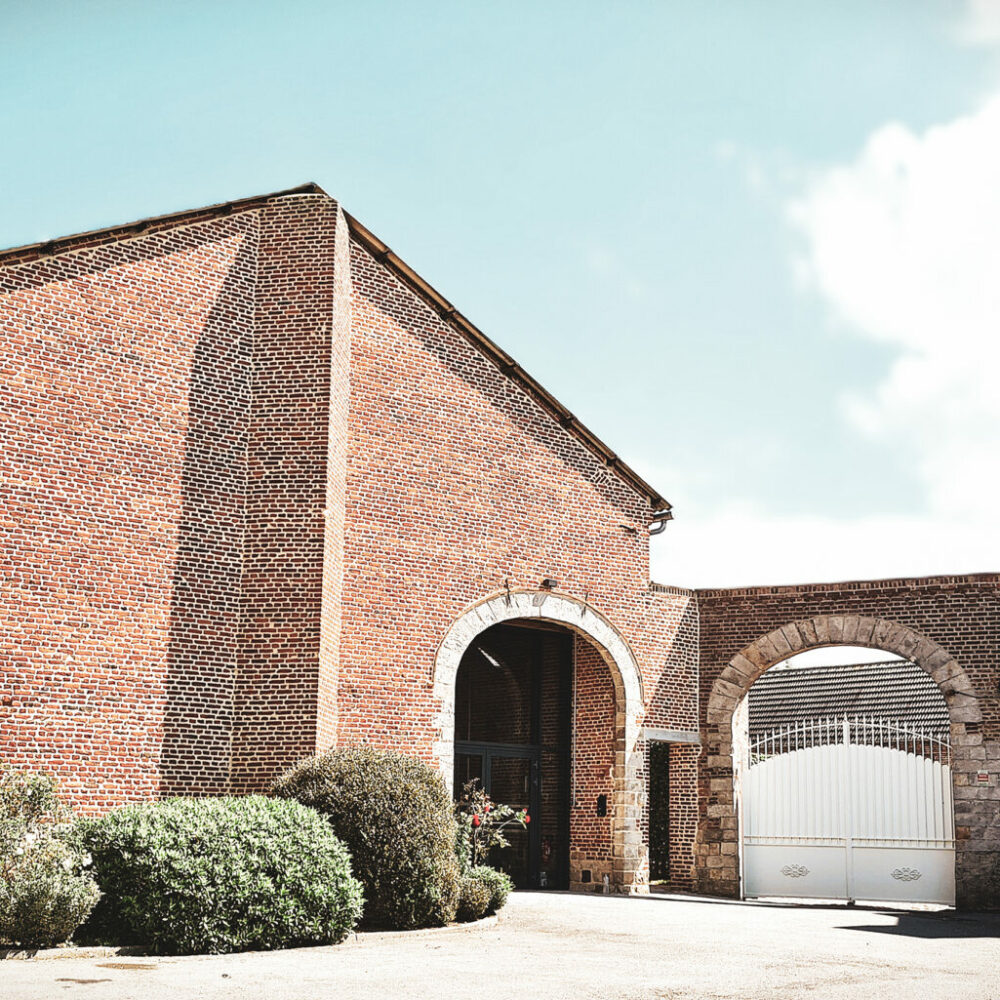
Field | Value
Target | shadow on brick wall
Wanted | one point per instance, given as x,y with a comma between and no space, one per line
205,607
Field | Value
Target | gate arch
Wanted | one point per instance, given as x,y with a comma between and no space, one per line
717,847
628,848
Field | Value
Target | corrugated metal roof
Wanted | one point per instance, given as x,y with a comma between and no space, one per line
895,689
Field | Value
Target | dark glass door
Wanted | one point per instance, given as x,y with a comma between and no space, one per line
510,776
510,783
467,767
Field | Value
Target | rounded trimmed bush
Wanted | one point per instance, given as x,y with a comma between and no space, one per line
44,897
45,890
395,815
499,884
473,897
185,876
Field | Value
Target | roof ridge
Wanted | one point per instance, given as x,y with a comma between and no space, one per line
841,666
829,586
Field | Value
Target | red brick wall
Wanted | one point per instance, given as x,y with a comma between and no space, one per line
255,481
251,479
457,485
683,813
590,766
123,384
683,810
174,436
960,613
671,679
336,492
672,704
289,446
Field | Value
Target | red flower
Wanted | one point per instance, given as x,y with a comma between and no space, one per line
527,818
487,808
476,821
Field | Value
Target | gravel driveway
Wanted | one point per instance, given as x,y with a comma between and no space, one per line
549,945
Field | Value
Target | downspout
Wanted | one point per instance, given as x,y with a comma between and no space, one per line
658,524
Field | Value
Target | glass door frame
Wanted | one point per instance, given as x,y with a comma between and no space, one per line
533,754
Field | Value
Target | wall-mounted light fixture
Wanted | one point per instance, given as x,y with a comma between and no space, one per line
549,583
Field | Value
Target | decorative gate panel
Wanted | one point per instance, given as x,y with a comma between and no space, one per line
849,809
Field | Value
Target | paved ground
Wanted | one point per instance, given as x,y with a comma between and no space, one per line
570,946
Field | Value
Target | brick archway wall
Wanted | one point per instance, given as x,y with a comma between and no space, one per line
626,759
717,849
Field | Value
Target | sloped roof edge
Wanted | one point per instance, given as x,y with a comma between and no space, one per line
143,227
437,302
450,315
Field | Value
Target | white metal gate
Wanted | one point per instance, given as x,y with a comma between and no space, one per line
849,809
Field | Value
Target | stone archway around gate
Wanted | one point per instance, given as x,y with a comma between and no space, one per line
717,848
629,852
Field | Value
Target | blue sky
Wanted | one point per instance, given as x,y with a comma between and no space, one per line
697,224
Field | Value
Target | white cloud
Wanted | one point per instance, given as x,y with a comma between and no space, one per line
980,23
903,244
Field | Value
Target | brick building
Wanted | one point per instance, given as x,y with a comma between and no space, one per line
266,491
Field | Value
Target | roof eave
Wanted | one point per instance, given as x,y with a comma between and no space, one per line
450,315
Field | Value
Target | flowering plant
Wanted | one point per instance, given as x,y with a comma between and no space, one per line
484,821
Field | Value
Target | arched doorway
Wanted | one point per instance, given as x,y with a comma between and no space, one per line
513,736
593,837
843,780
717,848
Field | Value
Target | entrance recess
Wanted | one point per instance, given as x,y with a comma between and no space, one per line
852,808
622,757
512,733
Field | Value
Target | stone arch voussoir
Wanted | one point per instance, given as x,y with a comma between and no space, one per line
716,851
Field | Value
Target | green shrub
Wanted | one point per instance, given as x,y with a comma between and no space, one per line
473,897
45,890
499,884
220,875
395,815
463,842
